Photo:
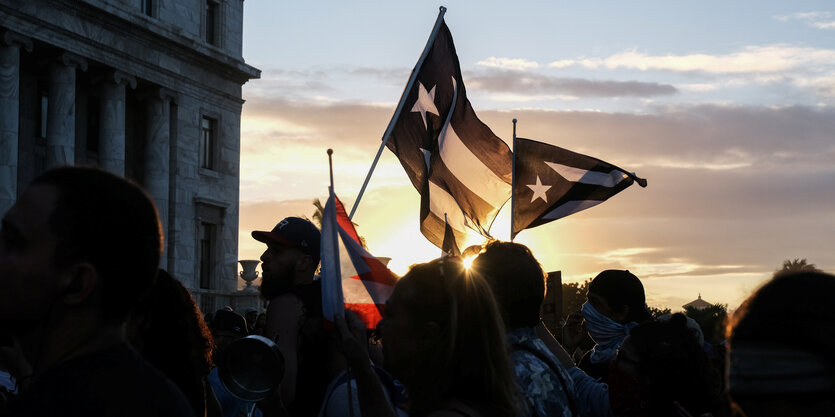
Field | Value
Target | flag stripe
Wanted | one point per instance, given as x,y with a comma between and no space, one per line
570,207
370,314
470,171
479,213
433,229
357,291
585,176
441,202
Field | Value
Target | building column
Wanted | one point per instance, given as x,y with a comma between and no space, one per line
112,125
157,157
60,119
10,44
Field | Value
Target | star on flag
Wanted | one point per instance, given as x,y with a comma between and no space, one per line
539,190
425,103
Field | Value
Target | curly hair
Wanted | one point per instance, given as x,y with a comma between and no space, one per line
168,329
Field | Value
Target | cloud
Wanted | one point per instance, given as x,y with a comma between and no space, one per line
817,20
751,59
540,85
517,64
801,66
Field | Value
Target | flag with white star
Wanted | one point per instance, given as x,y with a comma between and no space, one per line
552,182
456,163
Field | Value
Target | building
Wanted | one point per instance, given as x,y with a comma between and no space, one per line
697,304
147,89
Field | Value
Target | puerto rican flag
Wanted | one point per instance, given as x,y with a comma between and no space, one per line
351,277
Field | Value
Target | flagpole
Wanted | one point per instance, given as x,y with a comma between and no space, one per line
513,179
409,84
335,233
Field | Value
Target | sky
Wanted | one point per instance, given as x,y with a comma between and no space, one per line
726,108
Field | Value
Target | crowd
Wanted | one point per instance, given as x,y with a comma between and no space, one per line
89,326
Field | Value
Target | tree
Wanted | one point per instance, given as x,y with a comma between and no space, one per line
711,320
573,296
797,265
656,312
320,211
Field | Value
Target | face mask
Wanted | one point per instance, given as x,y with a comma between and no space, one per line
606,333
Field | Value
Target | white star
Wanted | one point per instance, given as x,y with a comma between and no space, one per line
539,190
425,103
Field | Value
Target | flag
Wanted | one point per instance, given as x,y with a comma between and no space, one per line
456,163
351,277
552,182
450,245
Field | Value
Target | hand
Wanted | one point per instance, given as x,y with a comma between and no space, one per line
573,331
352,340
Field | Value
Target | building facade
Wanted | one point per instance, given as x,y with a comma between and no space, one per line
147,89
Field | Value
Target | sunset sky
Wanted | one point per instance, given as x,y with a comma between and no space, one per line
726,108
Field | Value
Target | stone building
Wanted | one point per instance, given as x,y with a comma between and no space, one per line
147,89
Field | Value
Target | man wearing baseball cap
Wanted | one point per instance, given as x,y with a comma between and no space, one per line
295,303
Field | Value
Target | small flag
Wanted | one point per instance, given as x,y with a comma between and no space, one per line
453,159
552,182
359,281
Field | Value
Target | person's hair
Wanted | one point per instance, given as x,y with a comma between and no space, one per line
622,289
672,367
167,328
792,312
516,279
111,223
471,361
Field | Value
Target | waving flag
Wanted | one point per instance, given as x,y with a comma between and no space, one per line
552,182
351,277
459,167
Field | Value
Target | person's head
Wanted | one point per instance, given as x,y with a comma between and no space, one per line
167,328
291,257
251,316
781,357
619,295
661,364
260,323
81,236
227,327
443,337
516,279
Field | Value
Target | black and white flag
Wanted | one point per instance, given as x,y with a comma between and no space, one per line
552,182
456,163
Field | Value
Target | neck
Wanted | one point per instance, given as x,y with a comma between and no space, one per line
72,338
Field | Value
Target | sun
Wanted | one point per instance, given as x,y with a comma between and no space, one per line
468,261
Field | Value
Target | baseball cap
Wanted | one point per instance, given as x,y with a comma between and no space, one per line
230,321
294,232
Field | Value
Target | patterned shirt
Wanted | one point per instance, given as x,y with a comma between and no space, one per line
547,387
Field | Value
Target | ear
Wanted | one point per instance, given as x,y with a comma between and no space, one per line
79,281
429,335
305,262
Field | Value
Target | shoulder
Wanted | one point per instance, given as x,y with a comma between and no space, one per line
116,380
